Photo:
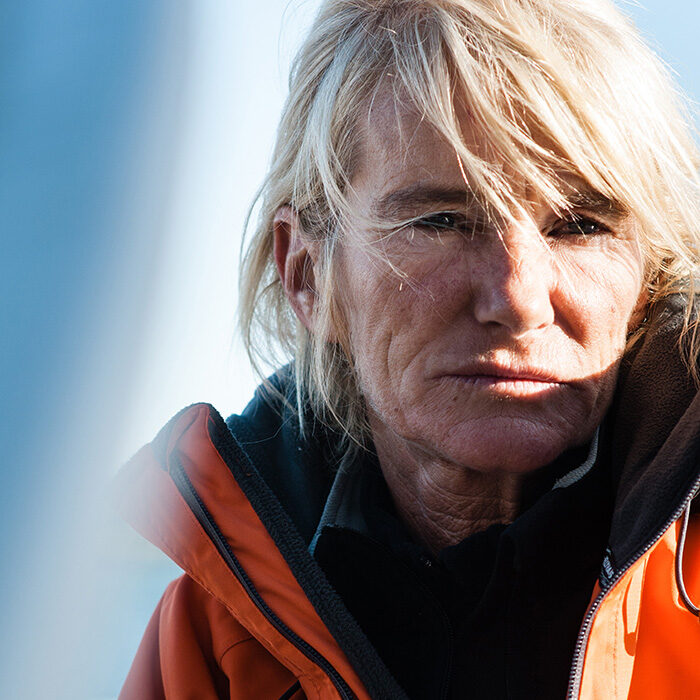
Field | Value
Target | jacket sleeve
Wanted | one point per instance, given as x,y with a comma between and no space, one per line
193,647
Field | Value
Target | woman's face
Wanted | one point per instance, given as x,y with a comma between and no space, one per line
492,352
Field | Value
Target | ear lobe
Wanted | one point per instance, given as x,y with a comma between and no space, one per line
295,256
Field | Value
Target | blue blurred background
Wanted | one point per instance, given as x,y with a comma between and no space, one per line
133,136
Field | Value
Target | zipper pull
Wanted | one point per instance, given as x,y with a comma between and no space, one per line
680,583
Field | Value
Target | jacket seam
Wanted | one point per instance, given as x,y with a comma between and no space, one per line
249,638
299,676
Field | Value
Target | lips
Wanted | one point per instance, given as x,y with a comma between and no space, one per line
505,373
506,381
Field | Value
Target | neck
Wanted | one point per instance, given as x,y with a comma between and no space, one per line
442,502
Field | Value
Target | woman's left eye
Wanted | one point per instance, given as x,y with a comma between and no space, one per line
578,226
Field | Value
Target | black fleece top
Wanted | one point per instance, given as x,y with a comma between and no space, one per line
495,616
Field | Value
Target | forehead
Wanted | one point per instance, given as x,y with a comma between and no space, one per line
398,146
403,164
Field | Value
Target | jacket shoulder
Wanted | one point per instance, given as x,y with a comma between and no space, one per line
194,647
188,608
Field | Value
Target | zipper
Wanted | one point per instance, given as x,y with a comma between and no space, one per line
447,679
582,640
291,692
188,492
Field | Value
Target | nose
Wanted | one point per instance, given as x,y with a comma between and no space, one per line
515,286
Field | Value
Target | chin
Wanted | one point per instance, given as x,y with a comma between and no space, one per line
508,451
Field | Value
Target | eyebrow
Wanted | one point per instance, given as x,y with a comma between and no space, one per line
596,203
401,200
398,202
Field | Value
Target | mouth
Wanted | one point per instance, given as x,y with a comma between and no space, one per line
507,381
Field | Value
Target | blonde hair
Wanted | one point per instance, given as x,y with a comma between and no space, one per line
555,85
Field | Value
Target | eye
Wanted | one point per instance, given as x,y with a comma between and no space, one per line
578,226
448,221
441,220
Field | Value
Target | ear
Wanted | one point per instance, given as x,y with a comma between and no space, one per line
296,256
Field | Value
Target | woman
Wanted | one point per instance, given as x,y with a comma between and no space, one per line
477,242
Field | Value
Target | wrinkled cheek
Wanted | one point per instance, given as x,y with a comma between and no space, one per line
604,344
372,341
599,319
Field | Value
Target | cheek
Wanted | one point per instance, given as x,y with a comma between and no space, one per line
387,292
373,300
393,309
598,293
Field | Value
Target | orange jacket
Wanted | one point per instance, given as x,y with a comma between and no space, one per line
254,617
238,624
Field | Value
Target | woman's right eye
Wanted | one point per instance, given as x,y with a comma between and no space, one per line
444,222
441,220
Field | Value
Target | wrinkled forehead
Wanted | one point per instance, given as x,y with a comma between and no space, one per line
403,159
403,162
396,142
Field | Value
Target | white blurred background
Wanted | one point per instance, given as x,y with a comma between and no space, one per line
133,137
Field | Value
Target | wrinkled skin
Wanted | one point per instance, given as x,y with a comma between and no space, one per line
481,357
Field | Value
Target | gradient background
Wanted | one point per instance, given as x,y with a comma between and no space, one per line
133,136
